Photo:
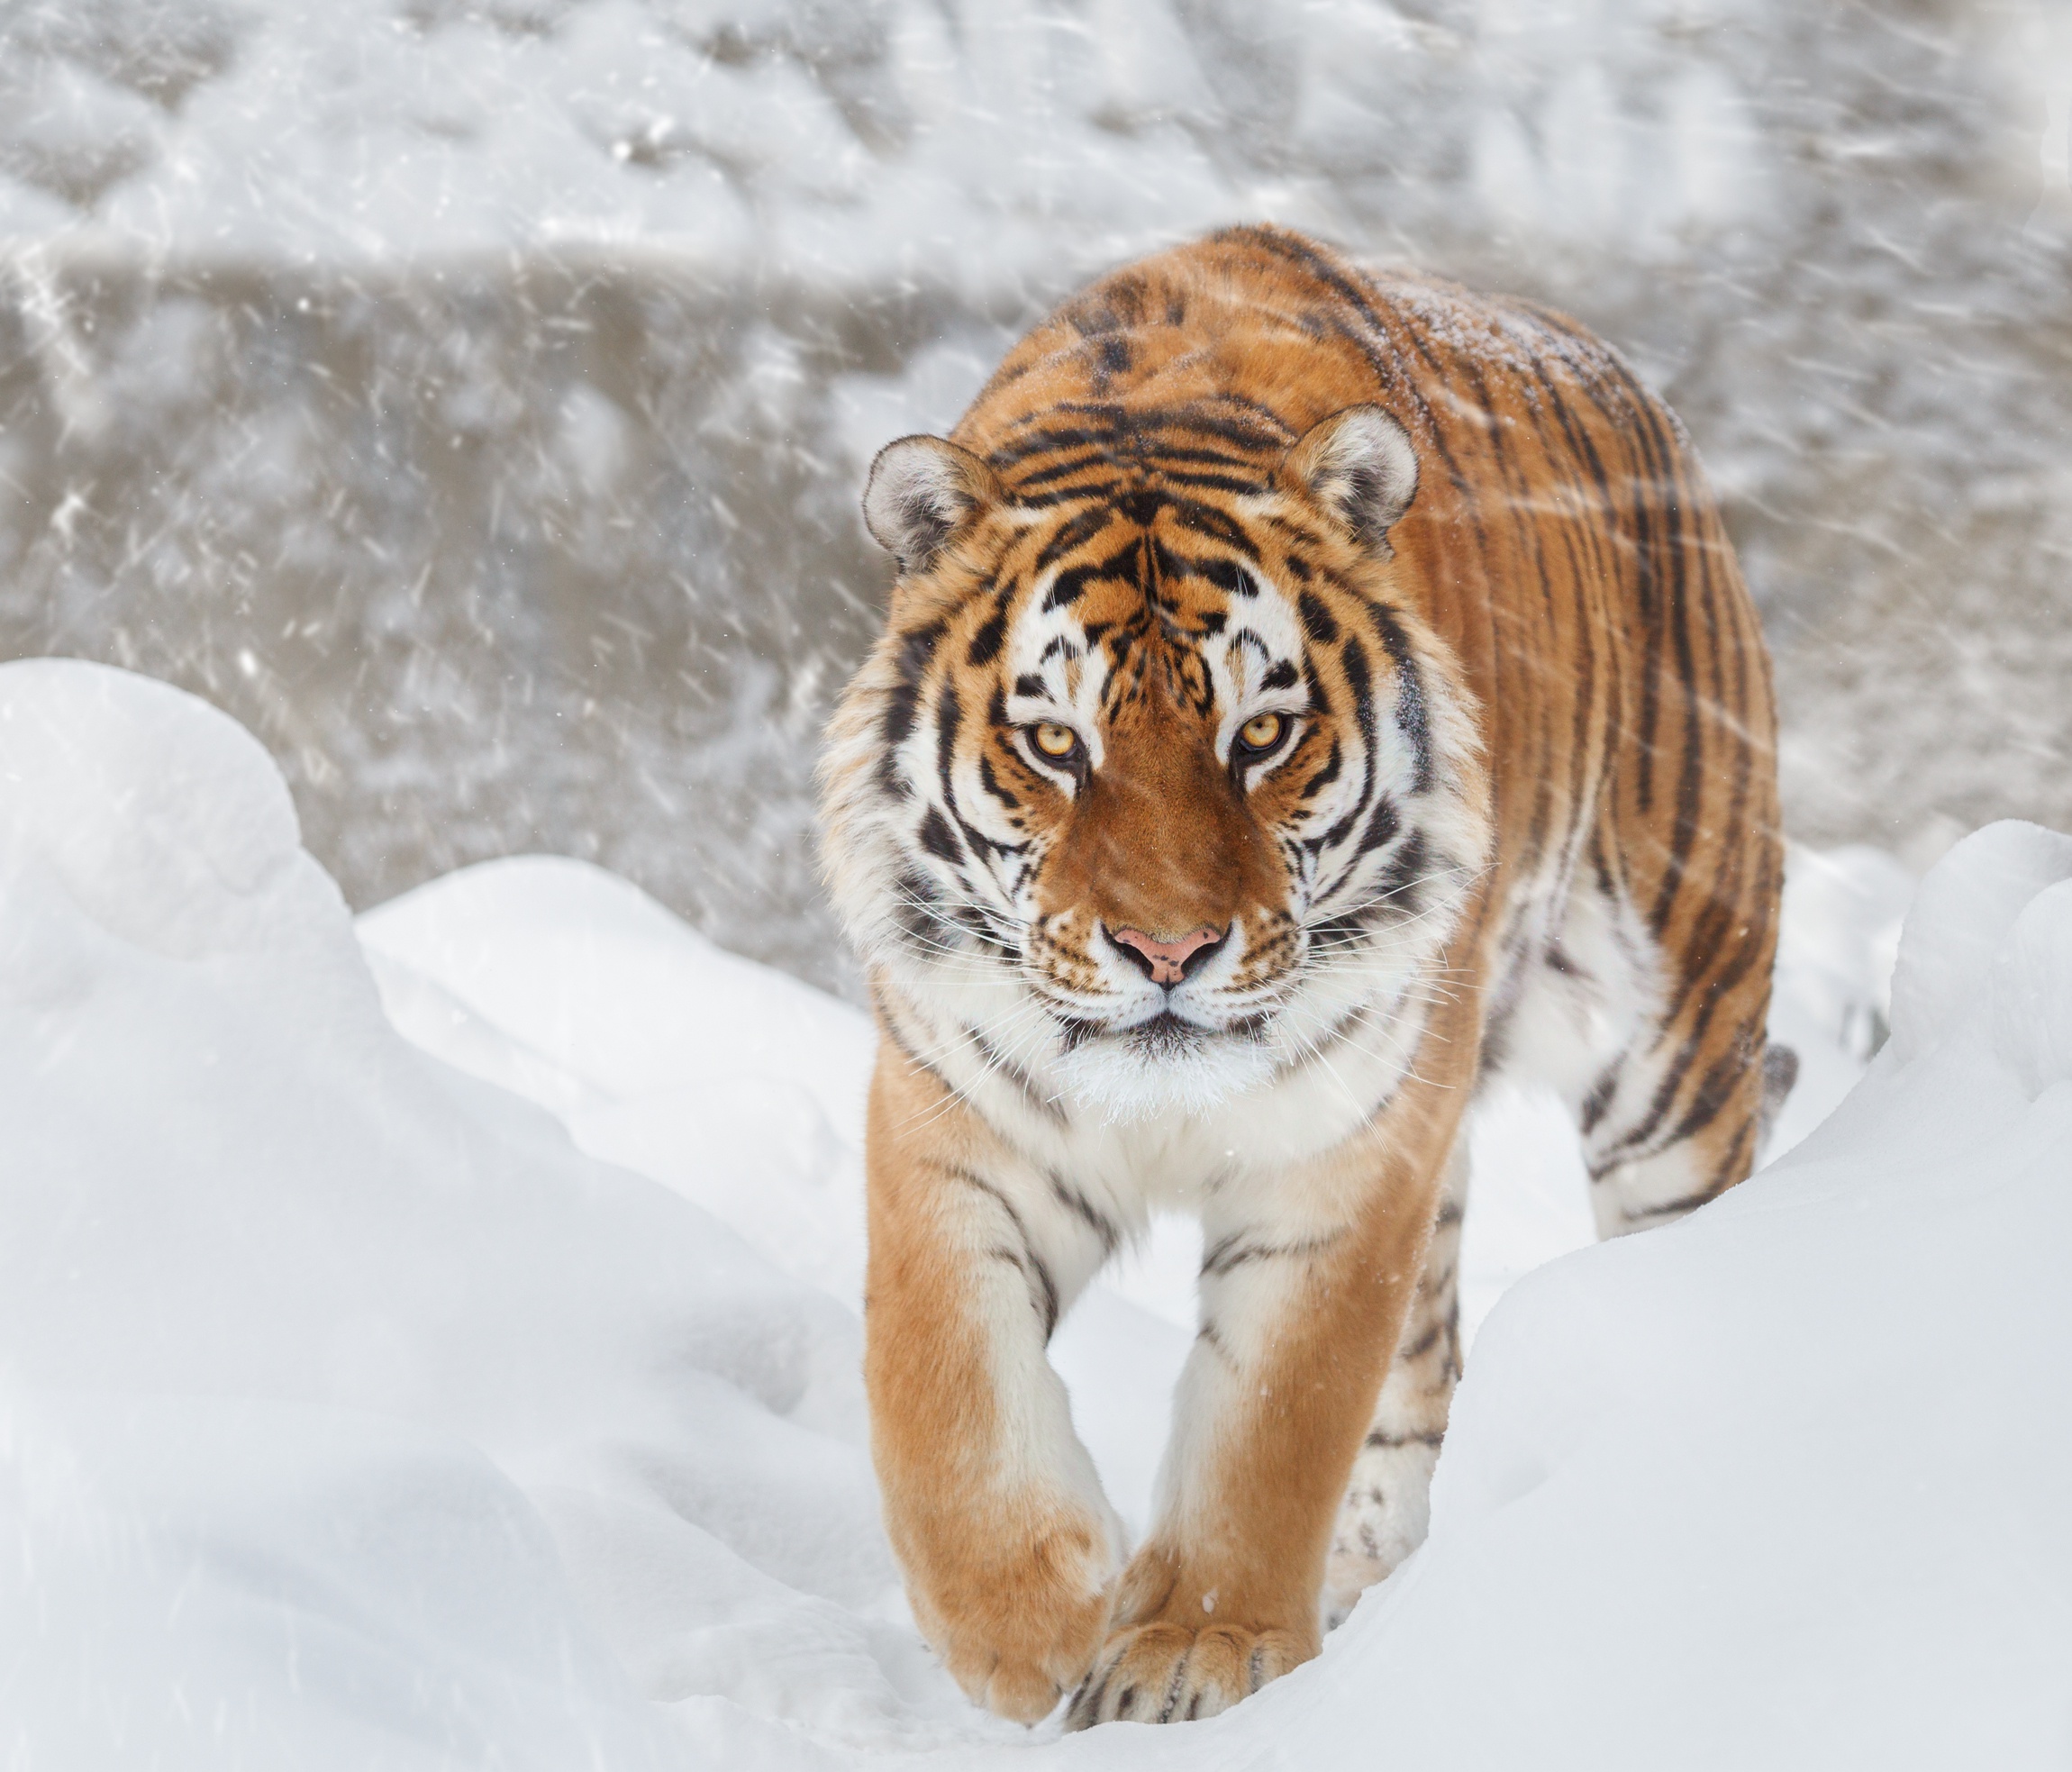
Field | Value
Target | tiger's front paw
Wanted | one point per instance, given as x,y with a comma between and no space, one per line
1175,1673
1019,1635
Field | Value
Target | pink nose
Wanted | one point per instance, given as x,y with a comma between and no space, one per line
1166,961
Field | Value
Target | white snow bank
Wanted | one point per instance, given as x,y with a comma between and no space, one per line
350,1416
736,1084
346,1414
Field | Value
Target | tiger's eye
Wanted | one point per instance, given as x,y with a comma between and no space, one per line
1262,732
1055,740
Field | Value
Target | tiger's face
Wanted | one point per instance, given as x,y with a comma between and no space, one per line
1149,789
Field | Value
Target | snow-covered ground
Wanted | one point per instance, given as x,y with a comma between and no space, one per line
432,1342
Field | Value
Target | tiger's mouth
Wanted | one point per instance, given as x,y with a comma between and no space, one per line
1166,1035
1167,1062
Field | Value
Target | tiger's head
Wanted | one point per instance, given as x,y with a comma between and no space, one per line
1155,779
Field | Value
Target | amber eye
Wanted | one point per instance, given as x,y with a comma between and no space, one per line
1054,742
1261,732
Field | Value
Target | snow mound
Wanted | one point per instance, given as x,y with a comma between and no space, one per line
407,1412
737,1085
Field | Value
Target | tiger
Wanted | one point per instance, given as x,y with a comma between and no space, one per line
1308,694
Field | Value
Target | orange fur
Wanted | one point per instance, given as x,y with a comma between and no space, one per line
1008,1580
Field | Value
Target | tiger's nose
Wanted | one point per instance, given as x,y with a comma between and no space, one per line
1166,962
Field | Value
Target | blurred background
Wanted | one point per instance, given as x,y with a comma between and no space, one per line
473,399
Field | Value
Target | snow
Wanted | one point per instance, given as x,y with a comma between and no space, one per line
357,1410
314,1350
660,1051
360,135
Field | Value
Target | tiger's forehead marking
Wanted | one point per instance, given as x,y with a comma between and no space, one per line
1130,598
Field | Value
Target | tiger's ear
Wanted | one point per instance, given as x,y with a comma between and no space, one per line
921,492
1357,464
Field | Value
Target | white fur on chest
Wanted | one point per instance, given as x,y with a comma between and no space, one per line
1336,1065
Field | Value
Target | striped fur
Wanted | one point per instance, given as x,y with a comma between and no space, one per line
1518,811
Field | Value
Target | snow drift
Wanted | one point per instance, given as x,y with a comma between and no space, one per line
351,1415
312,1349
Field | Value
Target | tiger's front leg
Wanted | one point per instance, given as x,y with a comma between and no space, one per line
993,1508
1301,1312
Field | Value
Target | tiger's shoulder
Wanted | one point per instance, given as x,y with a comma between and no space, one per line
1284,330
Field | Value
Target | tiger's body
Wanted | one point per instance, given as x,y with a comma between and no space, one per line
1306,694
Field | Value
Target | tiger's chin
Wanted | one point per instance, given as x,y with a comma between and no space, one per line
1161,1066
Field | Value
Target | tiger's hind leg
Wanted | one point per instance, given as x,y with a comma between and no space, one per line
1670,1128
1657,1047
1678,1116
1389,1500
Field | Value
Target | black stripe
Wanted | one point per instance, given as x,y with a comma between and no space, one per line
1381,829
1318,622
1043,1286
1382,1437
916,916
890,1023
1359,677
991,784
985,643
1218,525
1324,777
1233,1250
911,659
1405,872
1081,530
1412,713
949,717
1069,1196
938,839
1598,1102
1058,470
